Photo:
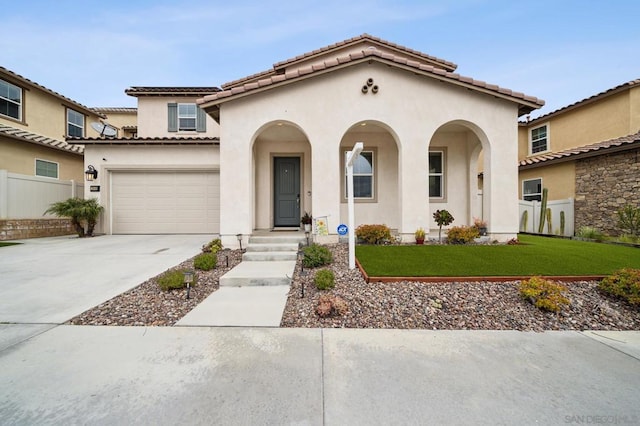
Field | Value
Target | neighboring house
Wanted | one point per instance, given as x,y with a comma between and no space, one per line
37,166
587,151
123,120
278,144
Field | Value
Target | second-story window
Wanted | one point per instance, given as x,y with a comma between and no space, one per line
75,124
539,139
10,100
186,118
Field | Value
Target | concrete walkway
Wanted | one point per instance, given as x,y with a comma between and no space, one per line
241,376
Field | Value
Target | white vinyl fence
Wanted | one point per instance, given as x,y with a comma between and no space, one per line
533,216
27,197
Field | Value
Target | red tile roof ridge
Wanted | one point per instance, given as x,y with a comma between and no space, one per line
622,140
352,57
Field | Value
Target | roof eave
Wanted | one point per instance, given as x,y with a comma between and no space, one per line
581,155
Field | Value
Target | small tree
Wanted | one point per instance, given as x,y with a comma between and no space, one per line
629,219
442,218
79,211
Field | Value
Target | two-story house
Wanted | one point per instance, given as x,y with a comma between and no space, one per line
587,151
262,150
37,165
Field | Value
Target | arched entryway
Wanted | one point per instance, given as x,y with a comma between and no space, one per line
281,164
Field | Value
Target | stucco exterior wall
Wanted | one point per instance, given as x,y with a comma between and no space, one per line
153,121
559,179
109,158
20,157
120,119
412,107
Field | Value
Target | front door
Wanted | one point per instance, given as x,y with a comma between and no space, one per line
286,191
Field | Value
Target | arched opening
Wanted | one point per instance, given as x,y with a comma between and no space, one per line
376,175
459,164
281,163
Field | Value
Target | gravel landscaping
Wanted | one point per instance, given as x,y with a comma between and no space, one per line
452,306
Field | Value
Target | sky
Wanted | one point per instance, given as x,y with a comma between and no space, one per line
561,51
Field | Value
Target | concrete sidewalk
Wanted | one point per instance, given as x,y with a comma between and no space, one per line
234,376
50,280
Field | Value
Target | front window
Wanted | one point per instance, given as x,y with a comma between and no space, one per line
187,114
363,182
539,139
436,174
75,124
10,100
46,169
532,190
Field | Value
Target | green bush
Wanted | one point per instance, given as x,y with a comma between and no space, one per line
205,261
624,283
462,234
316,255
213,246
173,279
544,294
590,233
629,219
373,234
324,279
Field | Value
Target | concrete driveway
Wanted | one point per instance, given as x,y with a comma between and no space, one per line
51,280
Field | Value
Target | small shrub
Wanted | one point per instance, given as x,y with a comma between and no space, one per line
324,279
513,242
627,238
205,261
373,234
330,305
442,218
462,234
590,233
316,255
629,219
213,246
624,283
544,294
173,279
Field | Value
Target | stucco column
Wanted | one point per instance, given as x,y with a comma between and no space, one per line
501,186
325,172
413,186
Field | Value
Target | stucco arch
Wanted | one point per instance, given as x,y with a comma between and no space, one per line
278,139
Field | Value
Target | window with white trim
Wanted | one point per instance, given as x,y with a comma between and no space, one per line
532,189
187,116
539,139
436,174
363,176
46,168
10,100
75,124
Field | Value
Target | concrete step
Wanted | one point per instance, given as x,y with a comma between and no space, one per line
253,256
259,273
275,239
272,247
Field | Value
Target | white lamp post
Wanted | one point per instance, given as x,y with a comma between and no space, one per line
351,157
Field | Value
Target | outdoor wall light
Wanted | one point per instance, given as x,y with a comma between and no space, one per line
91,173
188,279
239,236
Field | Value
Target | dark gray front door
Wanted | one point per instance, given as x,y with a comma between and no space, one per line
286,191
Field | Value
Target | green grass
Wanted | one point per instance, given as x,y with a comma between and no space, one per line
5,244
535,256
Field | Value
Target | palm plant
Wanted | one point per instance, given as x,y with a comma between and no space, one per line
89,211
79,211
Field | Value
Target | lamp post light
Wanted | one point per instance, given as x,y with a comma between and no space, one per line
239,236
188,279
91,173
301,258
307,234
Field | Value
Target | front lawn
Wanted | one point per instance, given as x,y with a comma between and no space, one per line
535,256
5,244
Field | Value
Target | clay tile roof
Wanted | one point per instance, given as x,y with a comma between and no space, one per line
115,109
170,91
528,103
620,88
617,144
26,81
146,141
23,135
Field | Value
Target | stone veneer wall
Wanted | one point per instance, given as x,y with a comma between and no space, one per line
605,184
17,229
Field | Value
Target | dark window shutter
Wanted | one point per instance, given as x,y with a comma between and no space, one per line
173,117
201,121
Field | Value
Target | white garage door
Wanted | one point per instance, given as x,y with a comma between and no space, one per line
157,202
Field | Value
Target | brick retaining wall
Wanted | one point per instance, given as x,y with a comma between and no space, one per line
605,184
17,229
